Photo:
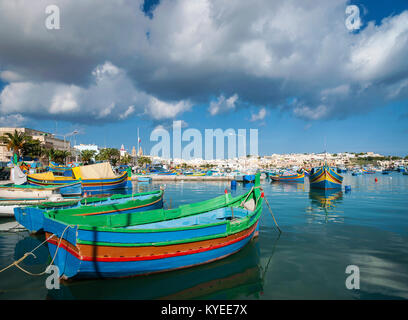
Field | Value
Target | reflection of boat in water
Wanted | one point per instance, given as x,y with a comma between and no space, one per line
325,198
238,276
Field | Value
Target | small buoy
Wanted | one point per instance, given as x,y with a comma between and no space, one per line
376,179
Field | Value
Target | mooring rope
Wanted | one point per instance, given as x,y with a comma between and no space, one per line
31,253
270,210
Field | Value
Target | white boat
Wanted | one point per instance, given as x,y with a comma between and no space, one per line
27,192
7,206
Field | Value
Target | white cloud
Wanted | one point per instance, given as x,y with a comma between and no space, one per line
112,96
13,120
258,116
222,105
109,56
159,110
311,113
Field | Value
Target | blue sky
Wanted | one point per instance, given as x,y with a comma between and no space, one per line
375,123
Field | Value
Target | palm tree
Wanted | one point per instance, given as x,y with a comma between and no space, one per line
126,159
15,141
87,155
110,154
142,161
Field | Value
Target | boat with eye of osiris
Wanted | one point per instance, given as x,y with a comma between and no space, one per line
154,241
325,177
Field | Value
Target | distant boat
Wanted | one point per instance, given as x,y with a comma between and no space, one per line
357,173
368,171
325,177
341,170
385,172
144,179
296,177
401,169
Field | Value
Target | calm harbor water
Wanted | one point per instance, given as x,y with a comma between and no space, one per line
322,235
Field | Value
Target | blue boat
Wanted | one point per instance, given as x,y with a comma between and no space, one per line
154,241
32,217
325,177
144,179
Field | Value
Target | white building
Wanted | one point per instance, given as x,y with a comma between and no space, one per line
92,147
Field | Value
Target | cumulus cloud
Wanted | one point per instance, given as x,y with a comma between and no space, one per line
13,120
258,116
185,52
222,105
111,96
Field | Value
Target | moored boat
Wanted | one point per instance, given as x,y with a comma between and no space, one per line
325,177
144,179
32,217
95,177
287,177
7,206
154,241
32,192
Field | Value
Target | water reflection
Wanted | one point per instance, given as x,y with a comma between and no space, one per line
324,205
239,276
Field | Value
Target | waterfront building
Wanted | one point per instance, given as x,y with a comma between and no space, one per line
48,140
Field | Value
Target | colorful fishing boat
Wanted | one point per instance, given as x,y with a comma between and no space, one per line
293,177
96,177
368,171
154,241
32,218
325,177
